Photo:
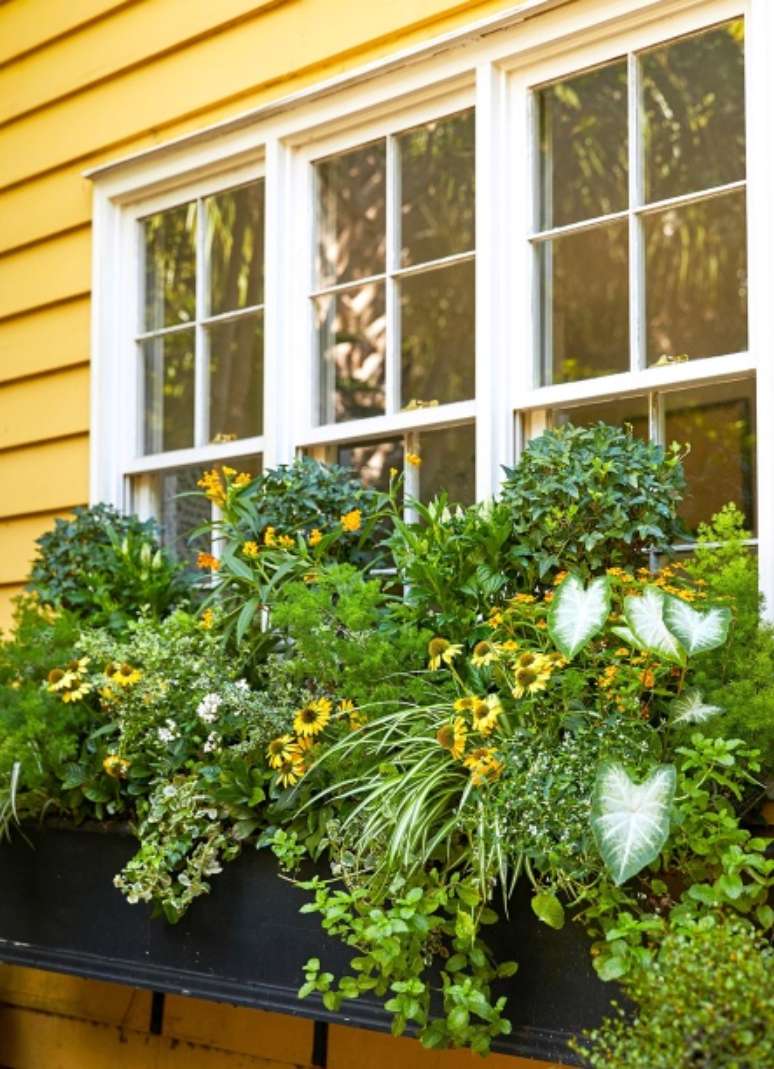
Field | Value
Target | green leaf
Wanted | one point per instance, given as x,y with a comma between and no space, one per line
578,613
246,617
630,820
610,968
458,1019
548,908
690,708
697,631
765,915
645,617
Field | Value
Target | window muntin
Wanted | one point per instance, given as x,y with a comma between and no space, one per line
603,223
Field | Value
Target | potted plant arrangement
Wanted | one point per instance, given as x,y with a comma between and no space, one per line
499,763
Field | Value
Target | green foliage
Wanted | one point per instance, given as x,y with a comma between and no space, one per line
105,568
589,498
705,1002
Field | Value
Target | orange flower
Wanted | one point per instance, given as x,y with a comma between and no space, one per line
206,560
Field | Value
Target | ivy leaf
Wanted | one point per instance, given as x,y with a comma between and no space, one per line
690,708
630,820
548,908
645,617
578,613
697,631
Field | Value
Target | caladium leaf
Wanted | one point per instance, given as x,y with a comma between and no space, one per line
630,820
690,708
645,617
697,631
578,613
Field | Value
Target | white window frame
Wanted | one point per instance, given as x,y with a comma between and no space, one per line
494,64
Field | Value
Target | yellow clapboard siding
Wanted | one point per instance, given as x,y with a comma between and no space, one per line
17,538
7,594
52,271
45,478
30,23
71,996
50,406
45,206
268,1035
110,45
351,1048
45,339
31,1039
264,53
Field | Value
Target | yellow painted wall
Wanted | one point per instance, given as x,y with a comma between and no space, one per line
83,82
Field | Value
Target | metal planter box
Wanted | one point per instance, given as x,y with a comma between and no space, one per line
246,942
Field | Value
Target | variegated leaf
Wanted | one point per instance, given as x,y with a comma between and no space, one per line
690,708
697,631
631,820
578,613
645,617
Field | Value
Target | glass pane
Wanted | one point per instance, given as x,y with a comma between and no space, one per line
693,100
235,248
585,300
170,267
696,279
236,377
351,215
168,367
438,334
584,146
437,189
372,461
718,422
448,463
631,410
351,338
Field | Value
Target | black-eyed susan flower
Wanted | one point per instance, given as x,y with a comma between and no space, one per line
485,714
483,654
284,747
60,679
529,681
352,520
441,651
126,675
453,737
76,693
290,770
464,705
484,765
314,716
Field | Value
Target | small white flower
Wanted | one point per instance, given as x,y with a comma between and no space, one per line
212,742
242,684
207,710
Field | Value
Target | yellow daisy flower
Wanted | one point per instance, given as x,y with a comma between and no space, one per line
452,737
484,765
528,681
312,719
126,675
59,679
77,693
486,713
251,550
315,537
284,746
483,653
442,651
351,520
289,771
462,705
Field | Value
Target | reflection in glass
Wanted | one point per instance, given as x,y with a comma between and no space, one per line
372,461
350,215
718,423
351,337
235,226
624,410
585,303
438,325
437,189
584,146
696,279
236,377
448,463
168,374
693,102
170,267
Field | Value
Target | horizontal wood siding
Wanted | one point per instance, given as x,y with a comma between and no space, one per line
83,82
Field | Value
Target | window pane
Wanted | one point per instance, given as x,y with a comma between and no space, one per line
448,463
236,377
693,99
696,279
583,146
718,422
372,461
351,215
351,338
235,248
585,303
170,267
438,328
437,191
631,410
168,371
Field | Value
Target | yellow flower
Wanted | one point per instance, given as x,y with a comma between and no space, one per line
648,679
206,560
126,676
213,487
251,550
59,679
486,712
269,537
280,749
414,459
608,677
524,599
243,479
286,541
462,705
77,693
312,719
509,646
559,578
228,472
116,766
207,620
528,681
441,651
483,764
315,537
310,577
290,770
495,619
622,651
351,521
393,473
452,737
483,653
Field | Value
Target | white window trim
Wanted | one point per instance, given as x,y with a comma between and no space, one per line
492,63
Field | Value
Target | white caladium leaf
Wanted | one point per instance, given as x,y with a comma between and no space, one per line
690,708
630,820
645,617
578,613
697,631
